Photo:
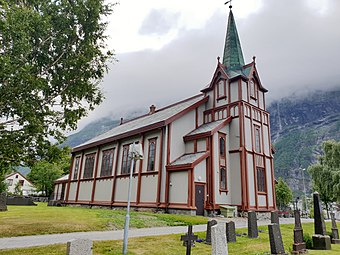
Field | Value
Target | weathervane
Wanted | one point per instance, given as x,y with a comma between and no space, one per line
230,6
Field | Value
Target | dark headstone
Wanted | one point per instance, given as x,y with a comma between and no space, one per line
208,234
20,201
3,199
319,223
252,225
299,246
335,232
274,217
320,240
275,238
230,232
189,238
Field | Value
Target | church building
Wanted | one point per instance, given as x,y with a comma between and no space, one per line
207,151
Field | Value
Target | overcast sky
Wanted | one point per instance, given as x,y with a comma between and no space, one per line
167,49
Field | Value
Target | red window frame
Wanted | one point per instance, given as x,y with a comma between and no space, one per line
76,168
222,162
261,180
152,154
89,165
257,139
107,162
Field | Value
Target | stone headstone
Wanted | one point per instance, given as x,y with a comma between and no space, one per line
189,238
252,225
208,233
230,232
275,238
320,240
335,232
79,246
274,217
299,246
3,199
219,244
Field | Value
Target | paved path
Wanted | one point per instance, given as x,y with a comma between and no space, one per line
42,240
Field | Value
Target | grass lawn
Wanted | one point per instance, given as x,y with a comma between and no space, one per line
170,244
43,219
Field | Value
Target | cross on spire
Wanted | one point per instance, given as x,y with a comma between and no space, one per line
230,6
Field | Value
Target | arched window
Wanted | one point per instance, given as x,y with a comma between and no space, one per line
152,155
222,146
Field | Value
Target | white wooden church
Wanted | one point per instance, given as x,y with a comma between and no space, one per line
206,151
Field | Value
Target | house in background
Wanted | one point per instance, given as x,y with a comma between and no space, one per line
26,186
207,151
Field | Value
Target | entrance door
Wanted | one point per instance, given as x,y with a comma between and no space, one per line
199,199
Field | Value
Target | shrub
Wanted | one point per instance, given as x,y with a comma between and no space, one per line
308,240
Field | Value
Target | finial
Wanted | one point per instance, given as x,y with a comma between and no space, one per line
254,57
230,6
218,59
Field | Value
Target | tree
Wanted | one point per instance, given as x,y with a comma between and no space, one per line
55,164
52,60
284,194
326,173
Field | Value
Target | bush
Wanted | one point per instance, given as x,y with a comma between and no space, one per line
308,240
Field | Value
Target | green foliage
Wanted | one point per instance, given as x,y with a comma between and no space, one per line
326,173
18,189
3,185
308,240
284,194
52,60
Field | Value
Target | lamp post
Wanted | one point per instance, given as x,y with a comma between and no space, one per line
304,191
136,153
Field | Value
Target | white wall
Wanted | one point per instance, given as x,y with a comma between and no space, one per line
85,190
122,188
269,183
149,187
73,190
189,147
266,140
248,132
234,134
244,91
200,172
235,183
251,183
201,144
262,200
234,91
103,190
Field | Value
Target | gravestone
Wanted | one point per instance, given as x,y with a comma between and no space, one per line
230,232
79,246
189,238
219,244
274,217
3,199
299,246
275,238
320,240
208,233
252,225
335,232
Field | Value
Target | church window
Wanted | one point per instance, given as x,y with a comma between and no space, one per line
253,89
126,160
222,147
221,89
89,166
76,168
261,182
223,178
107,163
151,155
257,139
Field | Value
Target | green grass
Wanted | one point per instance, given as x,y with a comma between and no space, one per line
43,219
171,245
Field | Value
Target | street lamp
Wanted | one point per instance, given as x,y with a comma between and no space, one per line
304,190
136,153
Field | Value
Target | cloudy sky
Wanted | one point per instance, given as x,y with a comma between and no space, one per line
167,49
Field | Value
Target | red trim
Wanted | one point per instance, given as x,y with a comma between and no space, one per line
95,175
115,174
160,167
79,175
69,179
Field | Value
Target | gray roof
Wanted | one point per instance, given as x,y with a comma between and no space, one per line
206,127
188,158
146,120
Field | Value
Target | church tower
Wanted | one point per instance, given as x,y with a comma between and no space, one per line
244,173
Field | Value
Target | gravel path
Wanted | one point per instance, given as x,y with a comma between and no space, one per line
42,240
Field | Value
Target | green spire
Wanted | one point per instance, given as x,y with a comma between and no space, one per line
232,56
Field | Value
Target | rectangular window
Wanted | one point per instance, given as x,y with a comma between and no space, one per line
107,163
9,182
126,160
21,182
152,154
89,165
257,139
76,168
221,89
253,89
261,182
222,161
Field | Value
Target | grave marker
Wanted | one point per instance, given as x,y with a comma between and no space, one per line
299,246
230,232
335,232
274,217
208,233
252,225
219,244
189,238
275,238
79,246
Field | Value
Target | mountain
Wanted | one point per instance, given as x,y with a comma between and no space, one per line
299,125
